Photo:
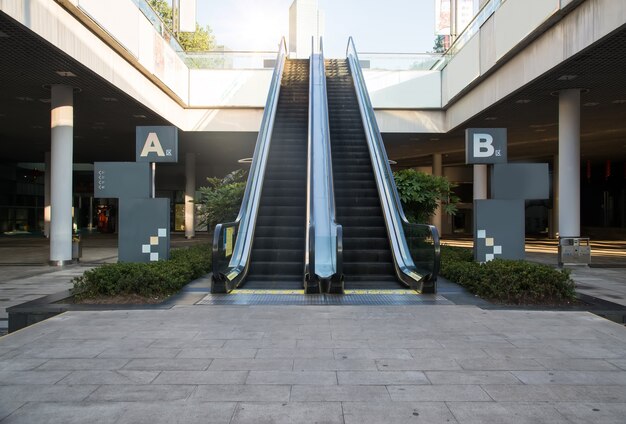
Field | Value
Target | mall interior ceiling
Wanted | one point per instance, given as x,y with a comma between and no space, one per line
105,117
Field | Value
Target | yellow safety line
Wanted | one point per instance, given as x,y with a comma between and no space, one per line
292,292
243,291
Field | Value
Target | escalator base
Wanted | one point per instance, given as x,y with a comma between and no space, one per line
256,297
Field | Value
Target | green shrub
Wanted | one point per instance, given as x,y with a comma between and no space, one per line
221,199
420,193
155,279
507,281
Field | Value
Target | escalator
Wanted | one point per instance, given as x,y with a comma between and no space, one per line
277,260
367,258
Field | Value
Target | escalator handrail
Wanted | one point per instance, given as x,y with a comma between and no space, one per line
246,219
324,238
390,199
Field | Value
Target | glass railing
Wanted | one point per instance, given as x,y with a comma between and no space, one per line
469,31
415,247
324,258
232,241
230,60
399,61
159,25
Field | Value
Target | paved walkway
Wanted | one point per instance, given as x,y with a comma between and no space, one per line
25,274
315,364
292,364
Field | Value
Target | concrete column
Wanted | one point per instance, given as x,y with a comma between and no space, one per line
569,163
62,135
480,182
190,194
46,198
553,229
438,172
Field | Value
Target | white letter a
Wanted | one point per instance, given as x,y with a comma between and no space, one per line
152,145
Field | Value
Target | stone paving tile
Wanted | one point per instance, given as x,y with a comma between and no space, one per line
396,413
411,343
621,363
334,365
295,353
258,343
471,377
333,344
167,364
288,413
425,364
450,353
179,344
230,335
505,413
591,412
201,377
66,413
292,377
20,364
31,377
523,353
553,393
381,377
372,354
488,364
243,393
66,351
145,392
224,364
7,407
439,393
89,364
109,377
201,353
131,353
177,413
572,377
341,393
565,364
44,393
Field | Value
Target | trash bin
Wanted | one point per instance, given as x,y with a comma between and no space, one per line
77,248
574,251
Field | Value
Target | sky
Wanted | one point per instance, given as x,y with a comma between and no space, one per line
388,26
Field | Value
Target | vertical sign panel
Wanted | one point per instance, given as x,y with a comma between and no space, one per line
156,144
144,232
498,229
121,180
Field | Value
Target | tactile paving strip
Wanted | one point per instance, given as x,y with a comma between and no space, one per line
323,299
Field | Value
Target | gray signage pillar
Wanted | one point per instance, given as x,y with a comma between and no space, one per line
569,163
62,137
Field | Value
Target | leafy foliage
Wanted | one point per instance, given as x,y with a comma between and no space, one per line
221,199
154,279
420,192
201,40
507,281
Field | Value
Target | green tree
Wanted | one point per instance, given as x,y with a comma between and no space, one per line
221,199
201,40
420,194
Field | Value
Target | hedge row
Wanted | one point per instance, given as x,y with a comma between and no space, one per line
155,279
507,281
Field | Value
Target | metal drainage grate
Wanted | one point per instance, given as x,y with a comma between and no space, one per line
323,299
